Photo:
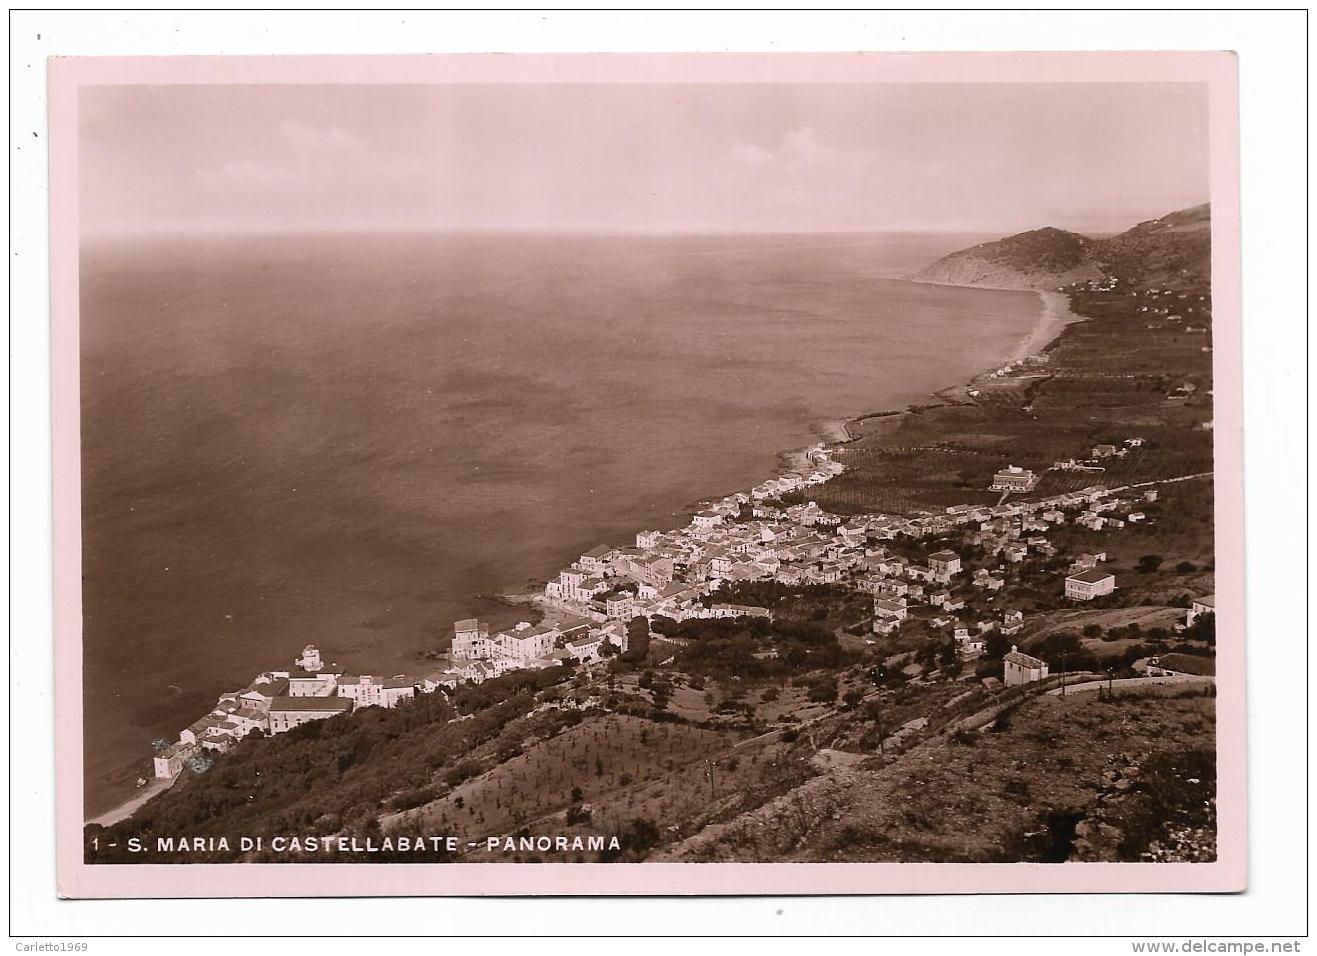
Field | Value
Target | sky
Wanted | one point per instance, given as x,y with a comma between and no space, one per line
631,157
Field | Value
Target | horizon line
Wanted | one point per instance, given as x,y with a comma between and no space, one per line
104,233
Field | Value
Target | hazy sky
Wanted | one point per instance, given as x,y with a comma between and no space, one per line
641,157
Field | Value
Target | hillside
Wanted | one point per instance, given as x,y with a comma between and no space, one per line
1172,252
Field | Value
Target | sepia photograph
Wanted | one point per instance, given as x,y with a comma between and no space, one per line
666,460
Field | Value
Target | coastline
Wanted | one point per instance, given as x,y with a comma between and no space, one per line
833,433
1055,317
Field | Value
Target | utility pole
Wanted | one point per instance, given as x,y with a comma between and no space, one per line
878,675
1063,673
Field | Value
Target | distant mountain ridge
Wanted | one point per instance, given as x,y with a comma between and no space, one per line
1174,252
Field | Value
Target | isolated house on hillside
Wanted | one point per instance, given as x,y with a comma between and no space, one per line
1199,607
1021,668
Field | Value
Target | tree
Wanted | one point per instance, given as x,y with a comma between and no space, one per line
641,835
637,640
1055,645
1186,567
1202,629
996,645
1092,630
1149,563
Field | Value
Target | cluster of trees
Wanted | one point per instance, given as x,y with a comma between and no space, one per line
470,698
800,602
753,648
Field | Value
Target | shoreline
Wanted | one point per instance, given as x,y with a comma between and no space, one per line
833,433
1053,319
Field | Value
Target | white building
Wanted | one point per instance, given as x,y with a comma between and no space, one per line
1012,478
1199,607
369,691
620,606
738,610
596,558
1021,668
289,712
310,659
471,639
312,685
943,564
526,641
1090,584
892,610
169,763
707,520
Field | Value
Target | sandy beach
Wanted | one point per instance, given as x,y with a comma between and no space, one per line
1056,315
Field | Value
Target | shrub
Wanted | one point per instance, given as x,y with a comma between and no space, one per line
463,771
823,691
1149,563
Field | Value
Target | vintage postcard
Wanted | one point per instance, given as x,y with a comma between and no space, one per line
718,474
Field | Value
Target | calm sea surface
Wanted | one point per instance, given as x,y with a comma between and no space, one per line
344,440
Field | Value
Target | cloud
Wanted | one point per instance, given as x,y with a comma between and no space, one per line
751,155
305,137
799,149
303,152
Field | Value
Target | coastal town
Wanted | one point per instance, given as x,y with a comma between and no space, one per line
930,636
914,569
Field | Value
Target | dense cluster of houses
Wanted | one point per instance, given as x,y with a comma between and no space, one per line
752,537
477,655
748,536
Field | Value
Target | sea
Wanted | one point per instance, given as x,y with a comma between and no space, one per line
353,440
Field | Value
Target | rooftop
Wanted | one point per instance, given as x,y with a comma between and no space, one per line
1092,576
1023,660
309,704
